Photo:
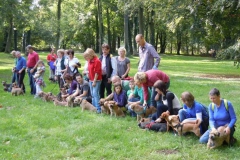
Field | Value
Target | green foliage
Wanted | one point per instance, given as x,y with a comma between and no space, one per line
230,52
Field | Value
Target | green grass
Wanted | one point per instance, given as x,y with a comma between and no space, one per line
33,129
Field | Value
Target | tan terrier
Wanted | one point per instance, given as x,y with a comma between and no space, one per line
114,109
85,104
217,137
16,90
142,112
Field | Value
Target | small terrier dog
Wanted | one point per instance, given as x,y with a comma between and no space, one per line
217,137
143,112
6,87
85,104
16,90
114,109
104,106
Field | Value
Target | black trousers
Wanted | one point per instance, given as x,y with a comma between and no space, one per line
20,80
105,85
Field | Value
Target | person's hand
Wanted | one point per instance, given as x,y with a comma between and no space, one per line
227,130
94,83
20,71
32,70
144,103
55,77
155,68
123,76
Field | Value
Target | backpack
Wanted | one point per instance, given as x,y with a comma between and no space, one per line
225,104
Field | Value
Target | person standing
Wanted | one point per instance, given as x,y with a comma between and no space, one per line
20,69
109,69
51,58
95,76
147,54
14,75
123,63
32,60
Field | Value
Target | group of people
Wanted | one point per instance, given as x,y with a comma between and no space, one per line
148,87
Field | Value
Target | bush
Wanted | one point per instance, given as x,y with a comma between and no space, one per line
230,52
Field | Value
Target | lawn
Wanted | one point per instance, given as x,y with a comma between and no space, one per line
33,129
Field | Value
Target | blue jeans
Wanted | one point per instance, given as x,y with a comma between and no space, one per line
15,77
31,81
132,113
205,136
95,94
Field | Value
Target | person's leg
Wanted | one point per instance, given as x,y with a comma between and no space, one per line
153,102
97,96
160,109
91,90
102,87
183,114
38,89
204,137
31,82
109,88
20,80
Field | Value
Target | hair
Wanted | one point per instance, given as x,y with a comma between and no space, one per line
140,77
161,86
29,47
122,49
40,61
68,77
118,85
214,92
187,96
115,77
17,52
78,74
70,51
140,35
104,45
61,51
13,52
89,52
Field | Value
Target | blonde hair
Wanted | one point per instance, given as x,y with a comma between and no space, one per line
61,51
89,52
140,77
122,49
13,52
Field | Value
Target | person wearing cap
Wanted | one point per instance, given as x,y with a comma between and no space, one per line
32,60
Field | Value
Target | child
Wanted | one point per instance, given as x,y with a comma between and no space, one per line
38,76
119,96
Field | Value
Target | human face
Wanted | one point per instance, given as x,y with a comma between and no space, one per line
105,51
158,91
138,84
215,99
70,56
121,53
87,57
79,79
118,89
139,41
30,50
115,81
131,85
187,103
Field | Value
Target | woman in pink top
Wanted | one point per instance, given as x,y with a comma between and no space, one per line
147,79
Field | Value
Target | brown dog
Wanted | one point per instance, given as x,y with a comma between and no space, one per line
181,128
70,101
16,90
104,106
6,87
217,137
114,109
46,97
59,103
85,104
141,111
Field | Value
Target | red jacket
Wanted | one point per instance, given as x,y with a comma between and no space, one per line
94,66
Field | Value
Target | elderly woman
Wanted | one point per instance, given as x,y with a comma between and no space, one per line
193,111
171,103
147,79
220,114
95,76
123,63
61,66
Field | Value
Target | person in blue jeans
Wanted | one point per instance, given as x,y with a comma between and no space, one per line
193,111
220,115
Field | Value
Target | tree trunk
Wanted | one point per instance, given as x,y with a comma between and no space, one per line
58,24
118,41
97,34
179,42
109,31
9,38
141,21
126,34
100,24
114,40
152,30
130,26
156,41
163,41
135,30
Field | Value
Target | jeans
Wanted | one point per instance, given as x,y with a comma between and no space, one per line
32,81
15,77
160,109
132,113
205,136
95,94
105,85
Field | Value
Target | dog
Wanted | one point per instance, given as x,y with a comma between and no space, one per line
70,101
63,91
217,137
141,111
85,104
6,87
114,109
46,97
104,106
143,122
59,103
180,128
236,60
16,90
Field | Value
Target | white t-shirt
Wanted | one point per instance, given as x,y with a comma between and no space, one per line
72,63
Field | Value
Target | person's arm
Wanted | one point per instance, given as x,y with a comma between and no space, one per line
156,56
211,118
127,71
114,66
77,92
95,79
24,64
232,115
170,96
145,94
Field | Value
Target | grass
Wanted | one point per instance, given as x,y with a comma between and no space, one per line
33,129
